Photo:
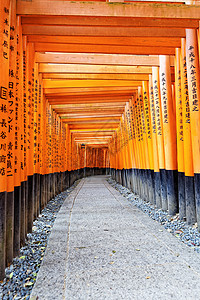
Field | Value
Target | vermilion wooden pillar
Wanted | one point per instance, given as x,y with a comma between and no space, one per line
157,196
192,59
30,135
11,135
180,136
188,157
4,79
17,139
148,126
160,138
169,133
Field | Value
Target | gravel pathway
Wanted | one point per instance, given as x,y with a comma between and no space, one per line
104,247
21,275
185,233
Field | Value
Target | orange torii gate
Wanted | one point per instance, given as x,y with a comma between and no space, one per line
91,88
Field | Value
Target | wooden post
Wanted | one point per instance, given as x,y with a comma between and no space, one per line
156,175
11,135
18,141
160,138
168,121
30,135
188,157
193,76
148,126
24,217
4,80
180,136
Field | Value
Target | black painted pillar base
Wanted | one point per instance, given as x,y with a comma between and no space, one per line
82,172
153,187
157,186
146,185
104,171
142,184
197,197
137,172
56,183
163,189
120,177
127,174
3,202
49,187
150,183
9,227
30,208
131,179
123,177
172,191
111,173
17,220
134,180
35,197
42,191
61,182
190,200
45,190
48,184
26,207
108,171
53,184
23,214
140,187
181,195
138,181
38,196
116,175
70,176
67,178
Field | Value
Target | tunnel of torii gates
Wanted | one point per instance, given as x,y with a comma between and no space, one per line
97,88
